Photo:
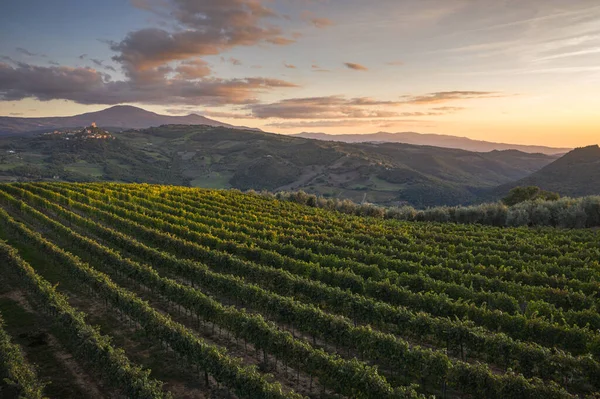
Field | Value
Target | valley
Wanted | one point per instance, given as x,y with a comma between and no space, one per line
220,157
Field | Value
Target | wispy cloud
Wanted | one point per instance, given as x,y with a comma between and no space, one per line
228,115
355,66
317,22
7,59
594,50
382,123
29,53
336,107
448,109
446,96
331,107
530,70
317,68
321,22
577,11
177,111
560,70
232,61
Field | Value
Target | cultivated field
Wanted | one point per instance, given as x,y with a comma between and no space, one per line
142,291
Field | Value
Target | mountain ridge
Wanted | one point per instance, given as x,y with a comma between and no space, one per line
117,117
122,117
433,139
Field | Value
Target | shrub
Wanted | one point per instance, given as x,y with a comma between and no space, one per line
529,193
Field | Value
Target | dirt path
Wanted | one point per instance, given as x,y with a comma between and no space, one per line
37,340
82,379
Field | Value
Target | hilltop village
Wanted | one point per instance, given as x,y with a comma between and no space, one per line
91,132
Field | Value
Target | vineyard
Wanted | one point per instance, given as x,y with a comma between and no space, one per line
144,291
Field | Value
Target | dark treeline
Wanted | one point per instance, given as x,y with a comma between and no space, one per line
563,212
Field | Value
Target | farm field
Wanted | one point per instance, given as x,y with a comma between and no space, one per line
147,291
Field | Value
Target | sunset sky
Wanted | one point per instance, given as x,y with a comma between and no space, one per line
517,71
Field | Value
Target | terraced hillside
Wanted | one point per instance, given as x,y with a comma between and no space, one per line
203,293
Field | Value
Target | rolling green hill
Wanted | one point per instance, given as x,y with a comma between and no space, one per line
219,157
575,174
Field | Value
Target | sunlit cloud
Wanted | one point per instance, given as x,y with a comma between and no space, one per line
228,115
193,69
355,66
448,109
232,61
595,50
446,96
317,68
90,86
331,107
560,70
317,22
344,123
210,28
335,107
177,111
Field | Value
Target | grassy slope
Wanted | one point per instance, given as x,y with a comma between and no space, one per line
576,174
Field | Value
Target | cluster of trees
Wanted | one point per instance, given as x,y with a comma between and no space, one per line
529,193
523,206
39,172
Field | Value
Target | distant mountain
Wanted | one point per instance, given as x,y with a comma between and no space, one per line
119,117
575,174
436,140
218,157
